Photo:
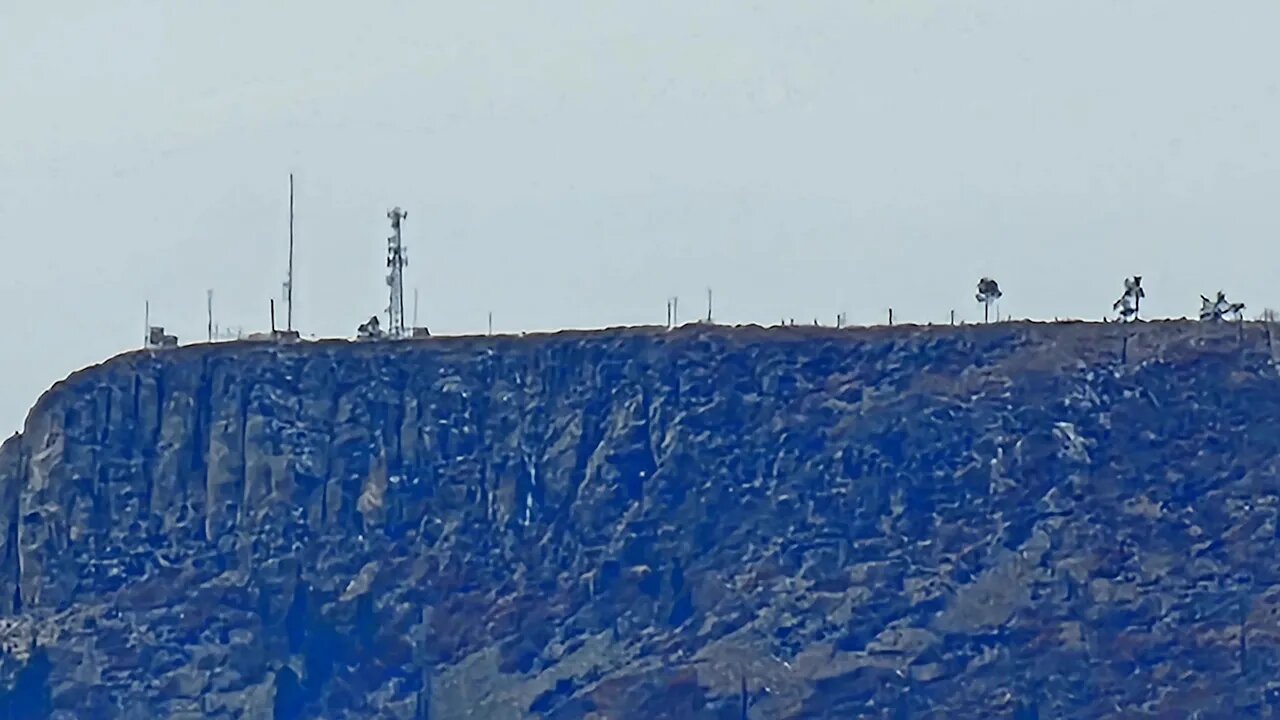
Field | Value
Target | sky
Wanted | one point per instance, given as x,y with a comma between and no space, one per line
574,164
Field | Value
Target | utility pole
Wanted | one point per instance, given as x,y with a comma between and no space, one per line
708,305
396,261
209,297
288,299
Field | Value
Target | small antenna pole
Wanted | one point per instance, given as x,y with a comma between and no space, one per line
490,322
708,304
146,330
890,316
675,311
289,282
209,298
273,315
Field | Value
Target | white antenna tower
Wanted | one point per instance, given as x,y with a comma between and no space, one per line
396,260
288,284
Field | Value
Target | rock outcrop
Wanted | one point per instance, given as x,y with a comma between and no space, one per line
1015,520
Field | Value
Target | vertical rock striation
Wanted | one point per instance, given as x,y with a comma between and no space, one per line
900,522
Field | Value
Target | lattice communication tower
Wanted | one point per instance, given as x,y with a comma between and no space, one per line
397,259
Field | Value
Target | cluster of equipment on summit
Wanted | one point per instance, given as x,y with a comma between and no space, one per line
1217,310
1127,307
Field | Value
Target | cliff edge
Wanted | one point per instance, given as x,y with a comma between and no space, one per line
1015,520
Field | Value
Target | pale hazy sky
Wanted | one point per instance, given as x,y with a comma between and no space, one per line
574,163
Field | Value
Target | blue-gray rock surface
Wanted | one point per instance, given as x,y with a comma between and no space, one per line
1014,520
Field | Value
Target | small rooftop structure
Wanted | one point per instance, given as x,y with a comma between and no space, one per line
278,336
370,330
156,338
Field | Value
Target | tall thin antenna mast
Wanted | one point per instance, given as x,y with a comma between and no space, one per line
396,260
708,304
288,299
209,294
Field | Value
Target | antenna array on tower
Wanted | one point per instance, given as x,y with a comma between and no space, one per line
396,260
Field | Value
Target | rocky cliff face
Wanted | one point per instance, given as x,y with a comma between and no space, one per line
1012,520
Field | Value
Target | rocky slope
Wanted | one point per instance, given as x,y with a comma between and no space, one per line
1014,520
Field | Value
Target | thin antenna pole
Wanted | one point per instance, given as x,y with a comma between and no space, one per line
890,316
209,294
708,304
273,315
289,294
675,311
490,322
146,330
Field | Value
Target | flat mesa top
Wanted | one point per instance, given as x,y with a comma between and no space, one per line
1072,336
1024,345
